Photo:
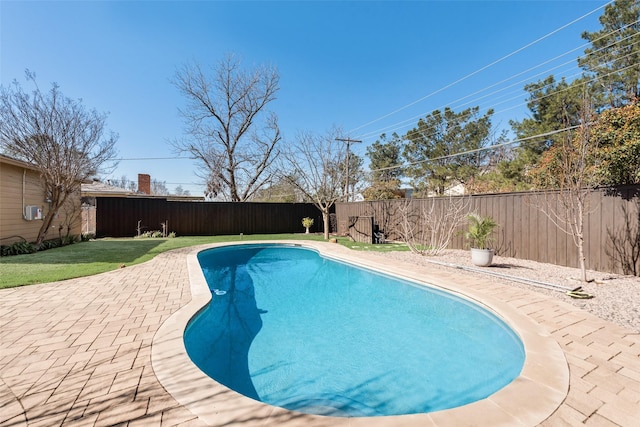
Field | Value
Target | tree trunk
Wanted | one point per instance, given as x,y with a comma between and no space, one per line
583,266
46,224
54,208
579,233
325,219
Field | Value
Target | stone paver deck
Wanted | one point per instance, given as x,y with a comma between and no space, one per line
78,352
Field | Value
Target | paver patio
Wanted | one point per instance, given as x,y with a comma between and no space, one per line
79,352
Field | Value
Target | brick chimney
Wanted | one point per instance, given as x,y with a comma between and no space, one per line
144,183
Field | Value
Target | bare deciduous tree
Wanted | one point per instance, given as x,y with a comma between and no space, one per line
67,142
73,216
429,225
569,167
124,183
159,188
221,116
314,167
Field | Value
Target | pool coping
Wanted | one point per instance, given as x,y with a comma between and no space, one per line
530,399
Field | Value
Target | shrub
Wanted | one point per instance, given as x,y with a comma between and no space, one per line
154,235
23,247
85,237
480,229
68,240
50,244
18,248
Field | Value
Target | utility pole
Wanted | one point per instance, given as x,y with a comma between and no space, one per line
346,186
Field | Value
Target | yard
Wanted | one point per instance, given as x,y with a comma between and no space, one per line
98,256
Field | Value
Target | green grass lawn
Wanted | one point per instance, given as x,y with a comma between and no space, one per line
98,256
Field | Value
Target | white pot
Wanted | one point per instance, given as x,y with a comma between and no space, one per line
482,257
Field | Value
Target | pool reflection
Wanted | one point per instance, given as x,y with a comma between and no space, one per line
220,337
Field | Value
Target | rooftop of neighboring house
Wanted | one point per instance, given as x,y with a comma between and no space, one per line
103,189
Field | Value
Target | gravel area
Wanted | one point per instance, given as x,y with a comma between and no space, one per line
615,297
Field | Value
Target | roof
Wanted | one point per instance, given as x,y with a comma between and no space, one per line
16,162
102,189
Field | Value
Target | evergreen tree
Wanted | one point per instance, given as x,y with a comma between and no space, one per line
384,158
554,105
434,147
384,161
613,60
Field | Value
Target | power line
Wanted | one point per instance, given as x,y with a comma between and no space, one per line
348,141
481,69
155,158
397,125
464,117
477,150
404,124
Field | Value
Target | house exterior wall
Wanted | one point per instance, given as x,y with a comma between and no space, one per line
20,186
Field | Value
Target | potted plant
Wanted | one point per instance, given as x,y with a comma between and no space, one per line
479,235
307,223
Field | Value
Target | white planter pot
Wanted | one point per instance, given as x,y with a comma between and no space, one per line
482,257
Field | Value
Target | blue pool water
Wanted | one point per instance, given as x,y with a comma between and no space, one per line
290,328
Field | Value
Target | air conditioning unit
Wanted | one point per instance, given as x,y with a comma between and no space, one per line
32,212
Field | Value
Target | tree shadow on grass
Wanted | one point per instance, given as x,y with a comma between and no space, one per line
99,251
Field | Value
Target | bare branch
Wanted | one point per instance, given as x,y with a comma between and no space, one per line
569,168
313,166
221,116
67,142
428,225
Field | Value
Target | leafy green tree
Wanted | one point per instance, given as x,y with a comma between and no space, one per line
614,56
554,105
385,158
433,148
618,133
384,163
383,190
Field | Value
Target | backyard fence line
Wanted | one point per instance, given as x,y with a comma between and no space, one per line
611,231
119,216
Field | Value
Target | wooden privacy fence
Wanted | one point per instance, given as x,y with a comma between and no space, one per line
611,231
118,217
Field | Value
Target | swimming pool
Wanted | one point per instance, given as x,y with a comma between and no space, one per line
290,328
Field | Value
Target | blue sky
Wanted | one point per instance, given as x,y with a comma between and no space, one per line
341,64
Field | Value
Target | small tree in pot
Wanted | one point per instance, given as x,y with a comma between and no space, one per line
307,223
479,235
